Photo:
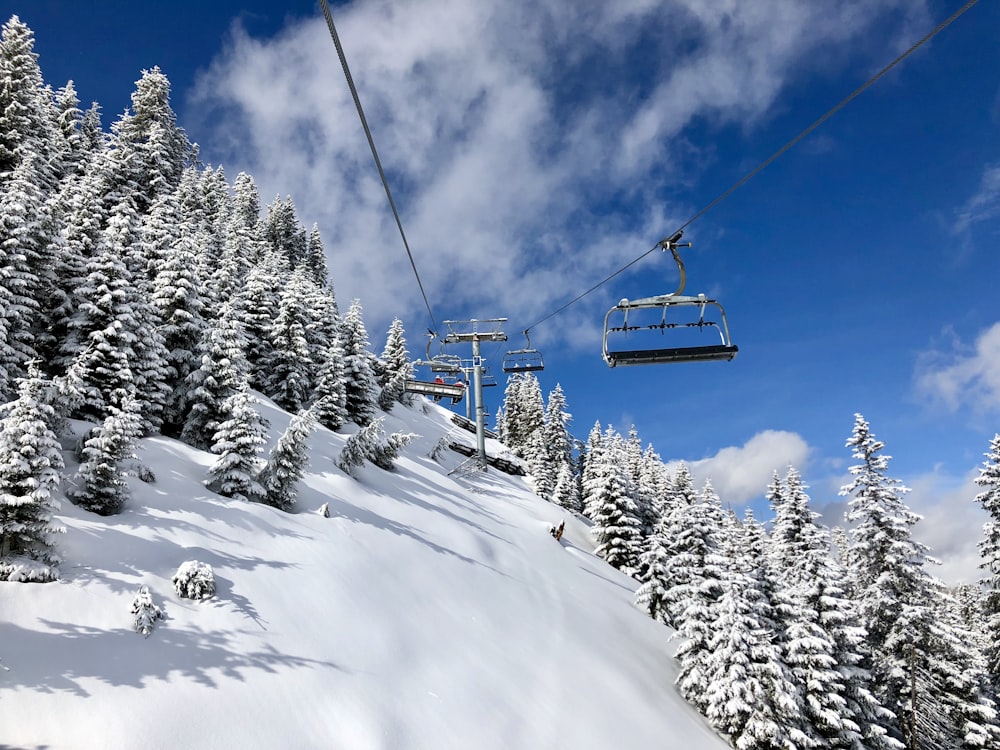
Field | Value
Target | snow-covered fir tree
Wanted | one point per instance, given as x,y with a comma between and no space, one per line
566,493
616,526
238,441
222,371
824,644
924,670
396,367
989,551
359,377
288,369
100,484
30,474
286,463
20,221
330,393
748,693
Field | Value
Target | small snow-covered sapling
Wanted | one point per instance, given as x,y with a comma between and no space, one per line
144,612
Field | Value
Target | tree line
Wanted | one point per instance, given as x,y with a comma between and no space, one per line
790,634
143,293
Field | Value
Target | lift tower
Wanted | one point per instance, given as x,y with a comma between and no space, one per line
475,331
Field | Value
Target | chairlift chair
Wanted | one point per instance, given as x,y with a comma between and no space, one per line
523,360
447,382
667,303
437,390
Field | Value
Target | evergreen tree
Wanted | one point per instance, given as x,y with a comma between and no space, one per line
695,576
223,372
567,490
30,466
396,367
20,229
238,442
590,458
286,463
824,644
748,694
989,550
359,378
330,394
171,254
925,672
284,234
100,485
26,119
288,371
149,147
654,569
315,260
256,306
616,525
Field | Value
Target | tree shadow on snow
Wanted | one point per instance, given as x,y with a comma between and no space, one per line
63,658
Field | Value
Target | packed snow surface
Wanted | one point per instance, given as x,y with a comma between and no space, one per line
432,609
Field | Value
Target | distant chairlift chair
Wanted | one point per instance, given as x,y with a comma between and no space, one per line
667,303
523,360
447,383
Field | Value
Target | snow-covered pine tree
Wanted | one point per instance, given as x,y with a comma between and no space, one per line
359,446
152,149
359,378
590,460
243,243
238,441
20,246
144,612
283,232
747,694
616,523
71,145
99,483
396,367
897,599
30,474
172,258
330,394
286,463
288,370
256,305
567,490
26,120
653,566
315,260
824,644
222,372
989,551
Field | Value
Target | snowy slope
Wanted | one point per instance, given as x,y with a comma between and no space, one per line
429,611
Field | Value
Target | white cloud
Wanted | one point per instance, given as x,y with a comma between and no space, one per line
741,474
984,204
965,377
952,524
501,126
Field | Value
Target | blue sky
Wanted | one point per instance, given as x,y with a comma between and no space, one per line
534,148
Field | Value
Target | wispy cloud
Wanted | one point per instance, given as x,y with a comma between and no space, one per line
967,376
527,144
982,206
741,474
952,523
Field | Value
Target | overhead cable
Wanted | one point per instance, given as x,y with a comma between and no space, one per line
378,163
753,172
